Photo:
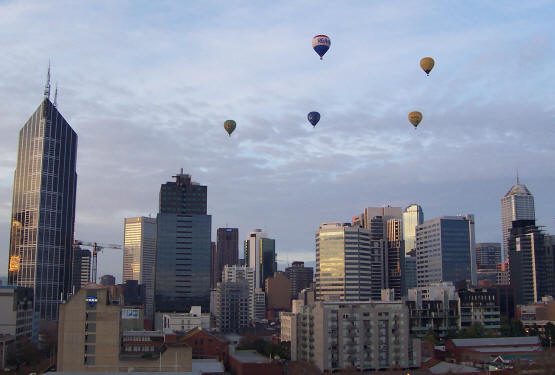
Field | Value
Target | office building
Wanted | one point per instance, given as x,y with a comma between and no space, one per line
348,263
186,321
260,254
366,336
92,337
17,317
107,280
446,250
479,305
232,300
385,224
139,256
433,308
412,217
517,204
183,246
409,273
81,268
488,255
43,208
256,297
227,250
301,277
278,292
531,266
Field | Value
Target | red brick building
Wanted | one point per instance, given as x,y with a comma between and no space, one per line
248,362
483,351
205,345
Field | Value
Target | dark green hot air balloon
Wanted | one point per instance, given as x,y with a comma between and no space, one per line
229,126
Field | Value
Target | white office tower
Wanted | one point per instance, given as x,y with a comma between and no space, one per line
139,256
260,255
257,298
412,217
348,264
517,204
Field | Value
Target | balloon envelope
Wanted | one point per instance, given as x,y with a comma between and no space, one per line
229,126
321,44
313,118
427,64
415,118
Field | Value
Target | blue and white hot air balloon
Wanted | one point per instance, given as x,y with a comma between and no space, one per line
321,44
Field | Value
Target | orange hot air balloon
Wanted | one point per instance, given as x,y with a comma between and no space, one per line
415,118
427,64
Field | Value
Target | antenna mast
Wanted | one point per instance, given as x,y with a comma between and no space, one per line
47,87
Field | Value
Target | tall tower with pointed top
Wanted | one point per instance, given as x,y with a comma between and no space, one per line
43,208
517,204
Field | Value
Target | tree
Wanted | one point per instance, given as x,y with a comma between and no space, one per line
514,328
303,368
475,331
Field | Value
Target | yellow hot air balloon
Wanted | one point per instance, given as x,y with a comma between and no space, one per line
427,64
415,118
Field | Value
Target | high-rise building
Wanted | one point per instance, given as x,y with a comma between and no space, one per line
348,263
517,204
531,262
412,217
139,256
278,292
107,280
81,268
300,277
226,252
260,254
446,250
409,273
488,255
232,306
43,208
183,244
385,224
257,301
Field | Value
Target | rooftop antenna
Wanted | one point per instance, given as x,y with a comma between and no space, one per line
56,95
47,87
517,179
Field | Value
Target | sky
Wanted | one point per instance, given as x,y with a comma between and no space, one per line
147,87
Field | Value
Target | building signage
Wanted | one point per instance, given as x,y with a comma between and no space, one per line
130,313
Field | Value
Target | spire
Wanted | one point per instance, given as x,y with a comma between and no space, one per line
47,87
517,179
56,95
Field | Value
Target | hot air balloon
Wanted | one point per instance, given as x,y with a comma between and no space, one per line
321,44
313,118
427,64
415,118
229,126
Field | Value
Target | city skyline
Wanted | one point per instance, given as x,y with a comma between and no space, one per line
481,122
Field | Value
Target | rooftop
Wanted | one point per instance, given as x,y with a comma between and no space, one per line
518,189
250,356
453,368
498,341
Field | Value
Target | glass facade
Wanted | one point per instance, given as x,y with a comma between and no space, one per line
139,255
183,262
260,254
43,209
412,217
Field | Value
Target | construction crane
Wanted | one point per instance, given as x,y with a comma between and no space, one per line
96,248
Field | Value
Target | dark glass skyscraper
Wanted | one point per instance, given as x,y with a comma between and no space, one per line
226,252
43,209
183,247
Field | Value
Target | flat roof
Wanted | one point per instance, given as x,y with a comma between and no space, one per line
249,356
509,349
498,341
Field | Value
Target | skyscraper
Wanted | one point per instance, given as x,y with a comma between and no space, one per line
300,276
183,247
531,262
226,252
488,255
348,263
446,250
260,254
517,204
385,224
81,268
43,208
139,256
412,217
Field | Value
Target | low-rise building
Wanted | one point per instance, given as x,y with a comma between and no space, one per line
481,352
206,345
7,349
249,362
186,321
538,314
366,335
479,305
